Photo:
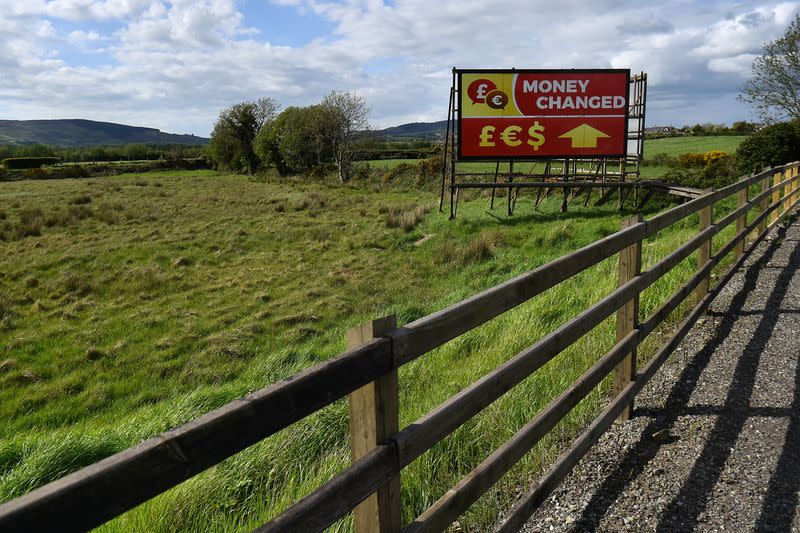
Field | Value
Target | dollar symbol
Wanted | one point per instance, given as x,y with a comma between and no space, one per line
536,138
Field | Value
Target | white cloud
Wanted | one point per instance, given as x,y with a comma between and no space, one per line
81,37
76,10
173,65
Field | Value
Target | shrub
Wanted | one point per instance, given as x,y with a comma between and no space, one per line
718,173
403,170
35,174
430,170
691,160
71,172
770,146
22,163
714,155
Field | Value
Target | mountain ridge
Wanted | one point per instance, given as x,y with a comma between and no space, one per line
77,132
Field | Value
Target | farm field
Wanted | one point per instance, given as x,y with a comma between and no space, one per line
672,146
134,303
675,146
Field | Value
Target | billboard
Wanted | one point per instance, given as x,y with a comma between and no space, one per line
542,114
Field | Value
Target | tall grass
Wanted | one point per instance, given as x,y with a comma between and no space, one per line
201,290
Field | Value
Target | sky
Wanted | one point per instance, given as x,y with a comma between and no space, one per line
175,65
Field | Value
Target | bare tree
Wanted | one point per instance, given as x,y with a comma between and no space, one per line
773,89
345,119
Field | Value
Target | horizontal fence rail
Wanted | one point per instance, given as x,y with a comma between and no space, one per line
368,374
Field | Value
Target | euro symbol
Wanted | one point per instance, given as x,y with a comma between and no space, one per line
509,136
535,133
496,99
486,136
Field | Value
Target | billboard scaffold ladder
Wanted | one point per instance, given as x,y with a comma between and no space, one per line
569,129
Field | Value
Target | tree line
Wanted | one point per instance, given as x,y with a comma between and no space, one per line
125,152
257,134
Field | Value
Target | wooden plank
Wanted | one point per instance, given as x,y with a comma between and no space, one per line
776,195
567,460
87,498
785,192
764,204
606,196
669,217
425,432
647,195
373,419
510,182
552,184
623,196
422,335
704,251
741,222
336,498
476,483
660,314
630,266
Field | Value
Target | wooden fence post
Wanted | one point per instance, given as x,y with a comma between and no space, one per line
704,251
741,222
373,418
785,191
764,205
630,266
776,196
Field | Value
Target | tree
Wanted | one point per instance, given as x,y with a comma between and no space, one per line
231,143
345,117
296,141
743,127
773,89
771,146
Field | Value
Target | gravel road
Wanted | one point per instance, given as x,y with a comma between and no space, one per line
715,441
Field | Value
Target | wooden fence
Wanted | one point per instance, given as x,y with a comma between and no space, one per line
367,372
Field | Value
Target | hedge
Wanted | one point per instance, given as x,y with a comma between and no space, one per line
22,163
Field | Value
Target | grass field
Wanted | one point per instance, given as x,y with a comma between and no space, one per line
672,146
131,304
675,146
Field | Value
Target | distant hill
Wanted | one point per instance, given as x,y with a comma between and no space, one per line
415,131
78,132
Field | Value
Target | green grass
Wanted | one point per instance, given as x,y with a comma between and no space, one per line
675,146
132,304
672,146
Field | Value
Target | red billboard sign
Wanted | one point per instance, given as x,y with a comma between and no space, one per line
542,114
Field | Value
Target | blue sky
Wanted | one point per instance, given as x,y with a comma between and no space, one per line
174,65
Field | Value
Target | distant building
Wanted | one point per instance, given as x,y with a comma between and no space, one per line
666,130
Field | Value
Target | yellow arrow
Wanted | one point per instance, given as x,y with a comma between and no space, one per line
584,136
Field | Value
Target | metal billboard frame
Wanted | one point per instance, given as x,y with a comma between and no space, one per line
611,173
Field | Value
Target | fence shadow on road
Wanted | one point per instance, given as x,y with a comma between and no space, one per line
682,512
